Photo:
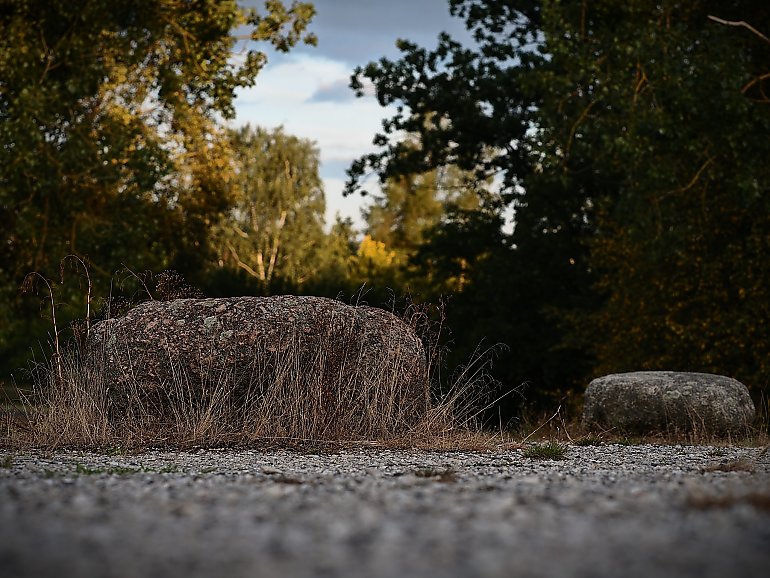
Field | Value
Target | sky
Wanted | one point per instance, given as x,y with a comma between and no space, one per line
306,91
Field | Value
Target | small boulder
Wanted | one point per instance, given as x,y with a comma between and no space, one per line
648,402
358,367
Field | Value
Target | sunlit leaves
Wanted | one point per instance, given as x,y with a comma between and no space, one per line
110,139
274,229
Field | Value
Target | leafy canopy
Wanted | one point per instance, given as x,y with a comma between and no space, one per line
110,108
274,230
629,140
110,140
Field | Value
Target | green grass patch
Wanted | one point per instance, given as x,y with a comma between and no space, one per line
550,450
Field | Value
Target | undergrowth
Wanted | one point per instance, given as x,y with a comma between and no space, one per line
550,450
288,397
567,426
289,400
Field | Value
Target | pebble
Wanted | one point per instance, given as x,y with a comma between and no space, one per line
603,511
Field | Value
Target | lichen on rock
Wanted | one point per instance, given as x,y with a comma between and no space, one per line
359,368
649,402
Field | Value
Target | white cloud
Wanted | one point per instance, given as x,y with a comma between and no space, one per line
294,77
336,204
336,91
286,95
305,91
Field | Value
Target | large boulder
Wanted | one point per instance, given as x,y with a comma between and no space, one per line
357,368
648,402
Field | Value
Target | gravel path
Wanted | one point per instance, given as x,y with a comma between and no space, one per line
604,511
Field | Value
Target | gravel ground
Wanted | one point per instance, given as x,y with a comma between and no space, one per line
603,511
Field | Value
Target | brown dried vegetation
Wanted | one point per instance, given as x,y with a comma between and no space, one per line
296,400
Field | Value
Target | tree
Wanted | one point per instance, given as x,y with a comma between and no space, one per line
399,222
679,123
109,142
463,107
628,140
407,207
475,108
274,230
412,204
105,106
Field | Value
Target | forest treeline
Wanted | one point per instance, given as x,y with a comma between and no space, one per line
628,142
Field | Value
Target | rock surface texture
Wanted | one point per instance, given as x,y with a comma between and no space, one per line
666,401
319,356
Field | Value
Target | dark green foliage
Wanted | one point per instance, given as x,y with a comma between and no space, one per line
626,141
630,140
473,109
110,147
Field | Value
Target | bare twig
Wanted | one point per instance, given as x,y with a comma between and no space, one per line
741,23
28,286
141,280
542,425
90,287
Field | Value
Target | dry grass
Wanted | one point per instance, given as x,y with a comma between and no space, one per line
307,403
77,411
566,426
291,400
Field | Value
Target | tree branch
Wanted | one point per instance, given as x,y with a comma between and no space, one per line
573,130
276,245
742,23
758,80
243,265
693,181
